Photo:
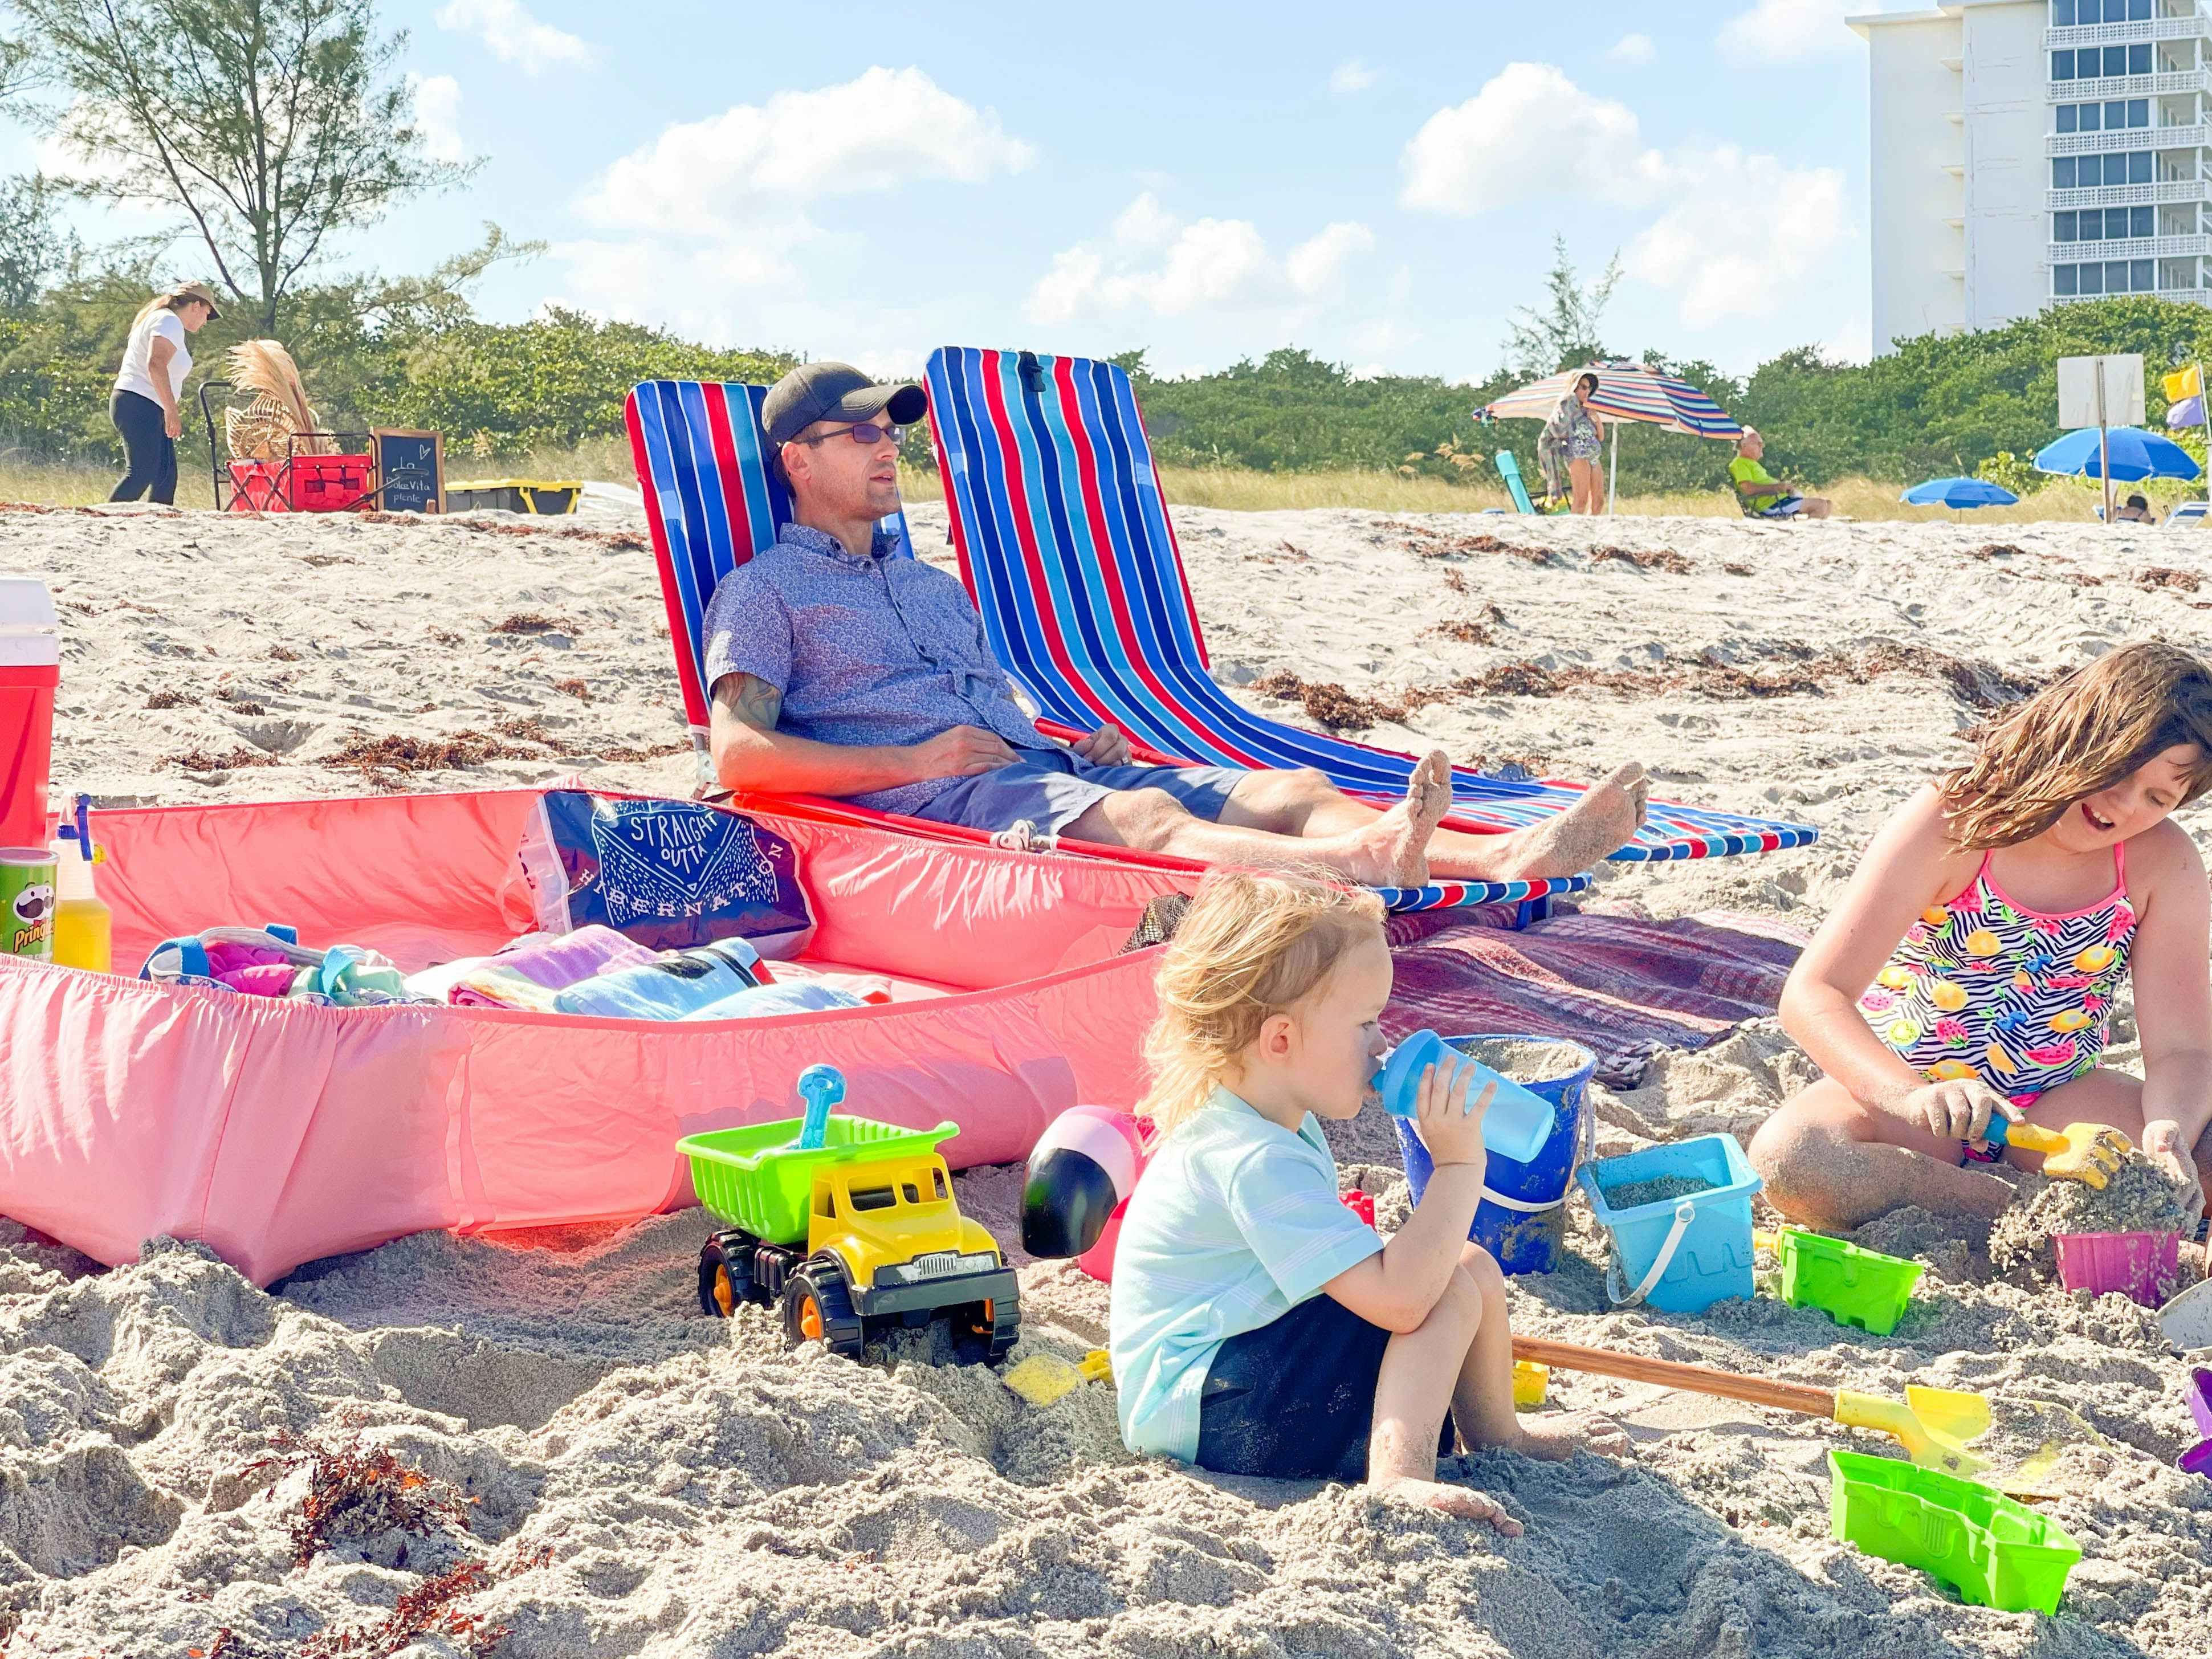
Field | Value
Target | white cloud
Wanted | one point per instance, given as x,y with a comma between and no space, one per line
513,35
1154,262
438,116
1633,49
1529,135
885,129
1727,262
1786,31
1316,267
1351,76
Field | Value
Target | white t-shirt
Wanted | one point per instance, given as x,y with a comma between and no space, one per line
136,374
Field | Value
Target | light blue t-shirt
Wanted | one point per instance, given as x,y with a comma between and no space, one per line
1235,1222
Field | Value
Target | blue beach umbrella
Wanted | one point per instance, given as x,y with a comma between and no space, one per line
2136,454
1958,492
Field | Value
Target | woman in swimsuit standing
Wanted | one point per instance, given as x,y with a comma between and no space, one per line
1577,434
1971,968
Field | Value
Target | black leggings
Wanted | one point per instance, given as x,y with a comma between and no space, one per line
151,450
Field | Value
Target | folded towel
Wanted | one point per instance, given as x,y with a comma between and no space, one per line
766,1002
528,973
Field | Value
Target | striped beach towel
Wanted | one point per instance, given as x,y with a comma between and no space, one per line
1065,541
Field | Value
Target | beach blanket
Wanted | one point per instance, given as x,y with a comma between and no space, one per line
1621,984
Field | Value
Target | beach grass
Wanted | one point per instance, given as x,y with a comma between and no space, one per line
76,483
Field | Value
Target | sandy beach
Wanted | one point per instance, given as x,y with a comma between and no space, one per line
639,1481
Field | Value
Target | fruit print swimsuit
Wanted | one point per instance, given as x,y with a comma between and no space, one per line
1983,986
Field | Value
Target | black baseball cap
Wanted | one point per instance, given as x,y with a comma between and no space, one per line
835,392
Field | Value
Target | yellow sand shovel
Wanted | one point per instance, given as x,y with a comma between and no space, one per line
2089,1152
1934,1425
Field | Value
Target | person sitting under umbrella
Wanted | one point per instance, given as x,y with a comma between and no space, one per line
1763,495
2138,511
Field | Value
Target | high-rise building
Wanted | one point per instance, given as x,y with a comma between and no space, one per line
2026,153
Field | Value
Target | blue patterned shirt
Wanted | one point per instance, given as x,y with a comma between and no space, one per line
871,651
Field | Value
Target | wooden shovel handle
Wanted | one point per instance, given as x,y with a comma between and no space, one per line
1698,1379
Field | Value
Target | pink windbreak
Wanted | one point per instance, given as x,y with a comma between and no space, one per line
279,1132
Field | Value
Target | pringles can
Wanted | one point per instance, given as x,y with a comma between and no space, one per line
27,903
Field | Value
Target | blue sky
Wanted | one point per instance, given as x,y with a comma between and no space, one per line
1381,186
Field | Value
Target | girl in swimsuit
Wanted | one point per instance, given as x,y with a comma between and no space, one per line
1971,968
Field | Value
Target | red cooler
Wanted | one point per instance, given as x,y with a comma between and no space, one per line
30,670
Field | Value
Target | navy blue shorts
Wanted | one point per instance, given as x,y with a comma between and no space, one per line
1296,1399
1051,788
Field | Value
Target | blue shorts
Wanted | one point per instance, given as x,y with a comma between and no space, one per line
1051,788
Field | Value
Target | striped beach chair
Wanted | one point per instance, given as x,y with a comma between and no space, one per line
712,501
1064,540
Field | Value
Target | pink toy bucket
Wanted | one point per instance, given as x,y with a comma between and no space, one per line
2145,1266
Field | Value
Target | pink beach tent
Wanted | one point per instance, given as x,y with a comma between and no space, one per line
278,1132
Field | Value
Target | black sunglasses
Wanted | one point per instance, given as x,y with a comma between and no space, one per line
867,433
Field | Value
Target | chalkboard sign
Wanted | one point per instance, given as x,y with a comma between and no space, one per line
410,471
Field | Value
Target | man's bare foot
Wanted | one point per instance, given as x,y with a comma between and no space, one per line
1463,1501
1393,851
1600,824
1555,1437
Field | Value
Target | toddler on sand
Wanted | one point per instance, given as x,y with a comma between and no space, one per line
1258,1326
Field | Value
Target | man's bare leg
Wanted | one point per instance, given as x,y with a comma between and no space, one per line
1381,849
1604,820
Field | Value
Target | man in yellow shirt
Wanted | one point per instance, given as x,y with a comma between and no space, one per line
1763,495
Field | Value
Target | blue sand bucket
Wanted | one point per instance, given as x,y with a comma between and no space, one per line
1681,1255
1522,1217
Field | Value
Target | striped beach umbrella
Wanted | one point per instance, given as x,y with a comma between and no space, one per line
1625,391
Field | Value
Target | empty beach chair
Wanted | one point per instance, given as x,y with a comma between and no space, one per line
1509,468
1065,541
712,501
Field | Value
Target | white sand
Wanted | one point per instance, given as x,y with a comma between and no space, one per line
652,1483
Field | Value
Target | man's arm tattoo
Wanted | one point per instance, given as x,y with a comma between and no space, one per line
750,700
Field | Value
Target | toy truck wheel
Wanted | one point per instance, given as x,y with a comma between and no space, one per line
725,1274
997,1323
818,1307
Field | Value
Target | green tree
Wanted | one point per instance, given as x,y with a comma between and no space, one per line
271,126
1564,331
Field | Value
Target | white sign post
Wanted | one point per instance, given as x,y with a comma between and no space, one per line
2103,392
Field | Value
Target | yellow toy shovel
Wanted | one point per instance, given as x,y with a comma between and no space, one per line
2089,1152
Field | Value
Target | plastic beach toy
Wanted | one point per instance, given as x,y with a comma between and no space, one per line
1684,1252
1993,1552
2143,1266
1851,1285
821,1087
1522,1218
2198,1460
1519,1120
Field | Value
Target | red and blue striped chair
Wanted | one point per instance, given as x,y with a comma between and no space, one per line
1065,542
712,501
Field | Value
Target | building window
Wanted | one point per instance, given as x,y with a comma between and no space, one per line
2139,167
2063,228
2138,111
2063,280
2138,10
2093,116
2092,278
2142,222
2062,174
2069,117
2062,66
2116,60
2062,14
2139,60
2142,276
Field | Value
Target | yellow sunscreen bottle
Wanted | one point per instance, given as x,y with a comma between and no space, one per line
83,927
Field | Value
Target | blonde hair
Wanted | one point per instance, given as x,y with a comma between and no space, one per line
2079,735
169,301
1249,947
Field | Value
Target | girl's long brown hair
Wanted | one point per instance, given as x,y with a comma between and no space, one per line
2079,735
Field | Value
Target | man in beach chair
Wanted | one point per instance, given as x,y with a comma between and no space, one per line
837,670
1760,493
